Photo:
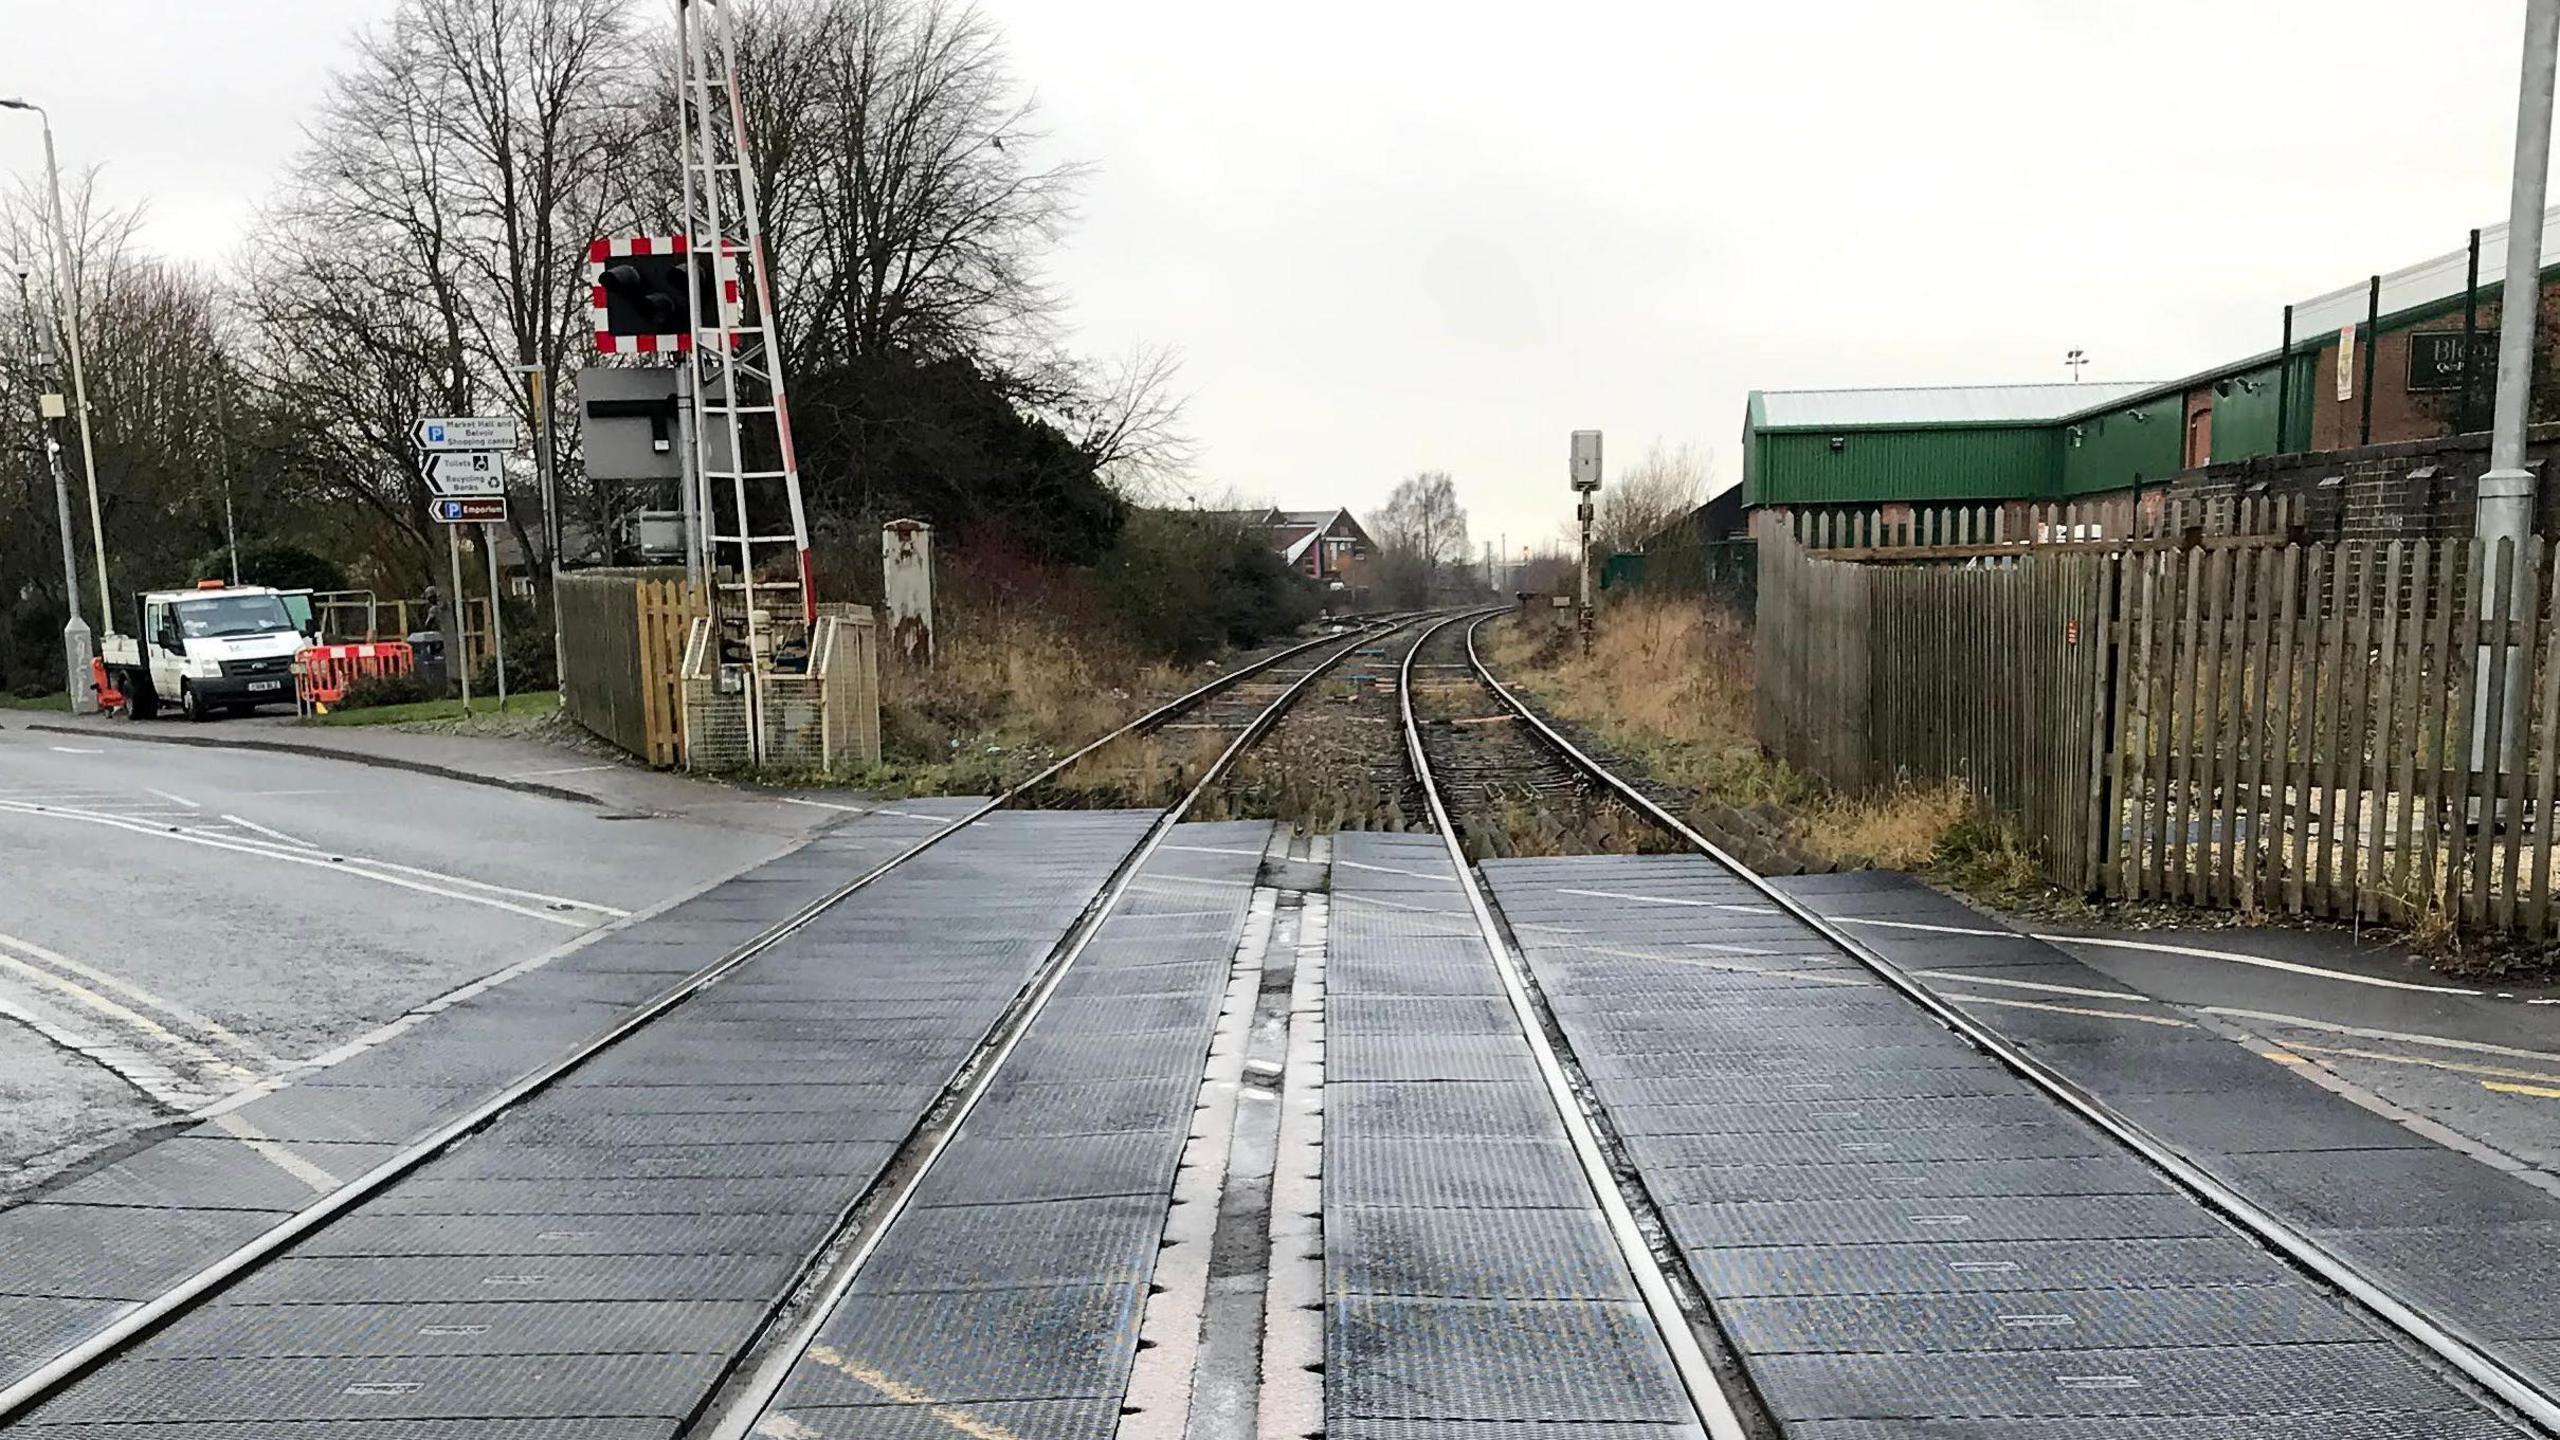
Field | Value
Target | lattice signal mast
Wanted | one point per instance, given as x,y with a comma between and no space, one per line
755,528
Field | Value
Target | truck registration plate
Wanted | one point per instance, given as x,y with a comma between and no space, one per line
257,685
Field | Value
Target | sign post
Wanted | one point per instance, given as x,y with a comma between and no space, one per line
459,664
1586,483
497,625
469,488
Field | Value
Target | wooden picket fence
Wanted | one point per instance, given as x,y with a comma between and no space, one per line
2254,724
622,635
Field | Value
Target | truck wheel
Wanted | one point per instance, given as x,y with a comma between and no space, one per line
139,697
193,704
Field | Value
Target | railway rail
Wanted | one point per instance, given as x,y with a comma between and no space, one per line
1679,1308
1458,757
1288,671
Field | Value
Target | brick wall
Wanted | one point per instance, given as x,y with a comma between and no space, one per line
2417,488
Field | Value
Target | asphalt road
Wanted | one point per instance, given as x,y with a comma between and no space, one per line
179,923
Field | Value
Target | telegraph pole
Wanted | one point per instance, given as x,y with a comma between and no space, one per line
2504,510
66,303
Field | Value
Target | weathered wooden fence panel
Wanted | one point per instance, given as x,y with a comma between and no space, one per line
622,633
1811,661
2307,736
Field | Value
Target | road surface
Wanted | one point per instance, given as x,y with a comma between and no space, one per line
178,923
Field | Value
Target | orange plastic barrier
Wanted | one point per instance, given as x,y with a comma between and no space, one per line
110,699
322,673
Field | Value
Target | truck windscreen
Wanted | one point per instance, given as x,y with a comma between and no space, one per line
232,615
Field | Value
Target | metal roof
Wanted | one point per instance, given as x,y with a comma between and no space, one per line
2425,283
1940,404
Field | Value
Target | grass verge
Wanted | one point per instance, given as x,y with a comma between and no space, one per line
1668,685
56,704
521,710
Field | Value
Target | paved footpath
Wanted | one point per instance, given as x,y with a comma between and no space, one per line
2432,1215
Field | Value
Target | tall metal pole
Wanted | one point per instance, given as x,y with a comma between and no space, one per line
2504,510
2284,384
461,658
76,637
2462,405
222,457
67,302
2372,344
689,483
540,379
497,623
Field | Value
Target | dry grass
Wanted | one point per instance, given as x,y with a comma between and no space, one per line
1011,688
1669,683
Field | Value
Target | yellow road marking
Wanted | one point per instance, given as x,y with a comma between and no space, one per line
2282,1058
782,1427
2509,1088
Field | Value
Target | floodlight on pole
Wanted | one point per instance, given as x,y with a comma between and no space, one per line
67,311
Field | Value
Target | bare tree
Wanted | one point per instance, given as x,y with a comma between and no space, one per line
440,219
1647,497
1127,417
1421,530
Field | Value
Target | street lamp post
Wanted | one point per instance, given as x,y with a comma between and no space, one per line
76,636
67,306
2504,508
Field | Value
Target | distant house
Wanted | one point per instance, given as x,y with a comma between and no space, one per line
1326,545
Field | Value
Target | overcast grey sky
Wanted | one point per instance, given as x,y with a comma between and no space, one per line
1391,235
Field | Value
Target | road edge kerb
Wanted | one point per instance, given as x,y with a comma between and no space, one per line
326,752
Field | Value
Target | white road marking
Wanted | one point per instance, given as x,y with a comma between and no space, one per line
271,834
155,1082
2071,1010
246,1048
563,770
865,810
196,1055
2080,990
1388,870
2362,1032
278,1154
173,799
2196,952
73,750
350,865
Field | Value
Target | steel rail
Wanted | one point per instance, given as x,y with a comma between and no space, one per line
141,1320
741,1413
1697,1373
2440,1337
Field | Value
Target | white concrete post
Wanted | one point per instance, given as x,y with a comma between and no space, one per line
906,588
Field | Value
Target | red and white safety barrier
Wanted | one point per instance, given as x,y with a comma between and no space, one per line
322,673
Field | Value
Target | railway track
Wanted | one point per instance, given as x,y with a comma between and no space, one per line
1240,705
1459,778
1478,1054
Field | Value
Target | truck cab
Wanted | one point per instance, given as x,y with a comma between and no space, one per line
208,650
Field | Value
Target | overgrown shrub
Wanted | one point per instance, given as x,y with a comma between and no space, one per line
1185,583
532,664
370,691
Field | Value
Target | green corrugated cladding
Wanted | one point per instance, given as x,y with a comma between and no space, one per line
2117,448
1987,462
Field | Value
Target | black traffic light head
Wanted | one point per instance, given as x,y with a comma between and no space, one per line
651,296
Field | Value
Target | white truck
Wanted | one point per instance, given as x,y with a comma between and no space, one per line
214,648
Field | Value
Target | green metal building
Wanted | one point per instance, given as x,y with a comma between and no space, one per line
1977,444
